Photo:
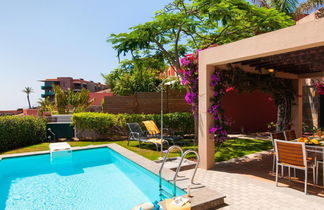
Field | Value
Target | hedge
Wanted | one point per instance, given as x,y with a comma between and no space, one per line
115,124
20,131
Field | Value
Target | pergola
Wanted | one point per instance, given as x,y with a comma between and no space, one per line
296,53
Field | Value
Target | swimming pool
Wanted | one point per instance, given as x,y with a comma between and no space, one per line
87,179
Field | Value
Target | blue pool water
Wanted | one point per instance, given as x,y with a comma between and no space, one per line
87,179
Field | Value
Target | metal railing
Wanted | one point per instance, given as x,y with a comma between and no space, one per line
179,167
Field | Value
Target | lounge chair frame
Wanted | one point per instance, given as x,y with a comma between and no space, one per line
136,134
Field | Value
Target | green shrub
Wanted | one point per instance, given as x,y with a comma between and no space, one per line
20,131
115,124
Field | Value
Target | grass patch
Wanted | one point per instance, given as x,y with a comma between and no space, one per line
232,148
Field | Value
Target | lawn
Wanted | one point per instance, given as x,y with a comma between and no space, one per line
232,148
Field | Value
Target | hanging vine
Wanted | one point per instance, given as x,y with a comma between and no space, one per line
281,90
235,78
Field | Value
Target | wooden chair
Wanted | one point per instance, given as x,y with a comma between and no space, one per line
293,155
290,135
278,135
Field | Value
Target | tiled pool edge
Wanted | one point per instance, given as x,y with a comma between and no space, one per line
203,198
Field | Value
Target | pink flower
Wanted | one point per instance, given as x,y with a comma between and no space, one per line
229,89
212,130
191,57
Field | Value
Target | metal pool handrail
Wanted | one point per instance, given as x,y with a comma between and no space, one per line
179,166
164,160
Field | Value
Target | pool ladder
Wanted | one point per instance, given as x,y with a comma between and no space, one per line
183,155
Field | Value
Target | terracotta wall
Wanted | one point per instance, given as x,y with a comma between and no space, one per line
249,111
30,112
98,97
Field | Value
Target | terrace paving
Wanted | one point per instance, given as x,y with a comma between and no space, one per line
248,184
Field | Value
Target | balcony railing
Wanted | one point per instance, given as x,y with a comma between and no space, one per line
45,87
49,93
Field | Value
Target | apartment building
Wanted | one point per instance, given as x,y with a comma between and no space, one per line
69,83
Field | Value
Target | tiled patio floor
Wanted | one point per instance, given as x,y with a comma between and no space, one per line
249,184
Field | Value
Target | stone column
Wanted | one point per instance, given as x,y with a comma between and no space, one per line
205,140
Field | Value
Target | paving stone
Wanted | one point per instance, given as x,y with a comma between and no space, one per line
249,185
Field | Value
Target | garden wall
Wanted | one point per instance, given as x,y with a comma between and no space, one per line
249,111
147,103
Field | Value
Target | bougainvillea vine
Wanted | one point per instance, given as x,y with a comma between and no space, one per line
319,86
219,129
189,74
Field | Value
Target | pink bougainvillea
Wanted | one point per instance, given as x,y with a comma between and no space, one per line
220,127
189,74
319,85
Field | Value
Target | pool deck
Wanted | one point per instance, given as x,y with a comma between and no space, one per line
201,198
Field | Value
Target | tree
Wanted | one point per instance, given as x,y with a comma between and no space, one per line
78,101
45,106
291,7
61,100
136,75
183,26
28,91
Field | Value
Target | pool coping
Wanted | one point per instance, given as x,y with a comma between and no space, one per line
201,198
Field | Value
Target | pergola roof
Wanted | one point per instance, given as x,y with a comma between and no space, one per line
297,50
309,60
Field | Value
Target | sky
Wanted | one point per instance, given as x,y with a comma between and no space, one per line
42,39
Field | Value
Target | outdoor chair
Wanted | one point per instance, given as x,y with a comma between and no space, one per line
154,131
293,155
278,135
316,153
290,135
136,134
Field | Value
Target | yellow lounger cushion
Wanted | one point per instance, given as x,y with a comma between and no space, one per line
157,141
151,127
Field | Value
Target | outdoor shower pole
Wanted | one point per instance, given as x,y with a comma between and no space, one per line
161,129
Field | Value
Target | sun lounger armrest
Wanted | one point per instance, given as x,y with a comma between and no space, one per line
135,135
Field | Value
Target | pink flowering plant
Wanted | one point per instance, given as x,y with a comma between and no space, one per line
220,126
189,74
319,86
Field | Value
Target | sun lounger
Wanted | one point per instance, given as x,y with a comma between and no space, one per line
136,134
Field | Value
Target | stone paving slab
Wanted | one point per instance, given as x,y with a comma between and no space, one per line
244,189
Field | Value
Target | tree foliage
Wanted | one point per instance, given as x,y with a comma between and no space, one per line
182,26
45,106
291,7
77,101
136,75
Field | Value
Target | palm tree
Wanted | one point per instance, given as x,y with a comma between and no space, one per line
291,7
45,106
28,91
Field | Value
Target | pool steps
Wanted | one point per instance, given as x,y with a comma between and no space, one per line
174,180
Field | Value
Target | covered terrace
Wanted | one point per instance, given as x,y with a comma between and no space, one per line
295,53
